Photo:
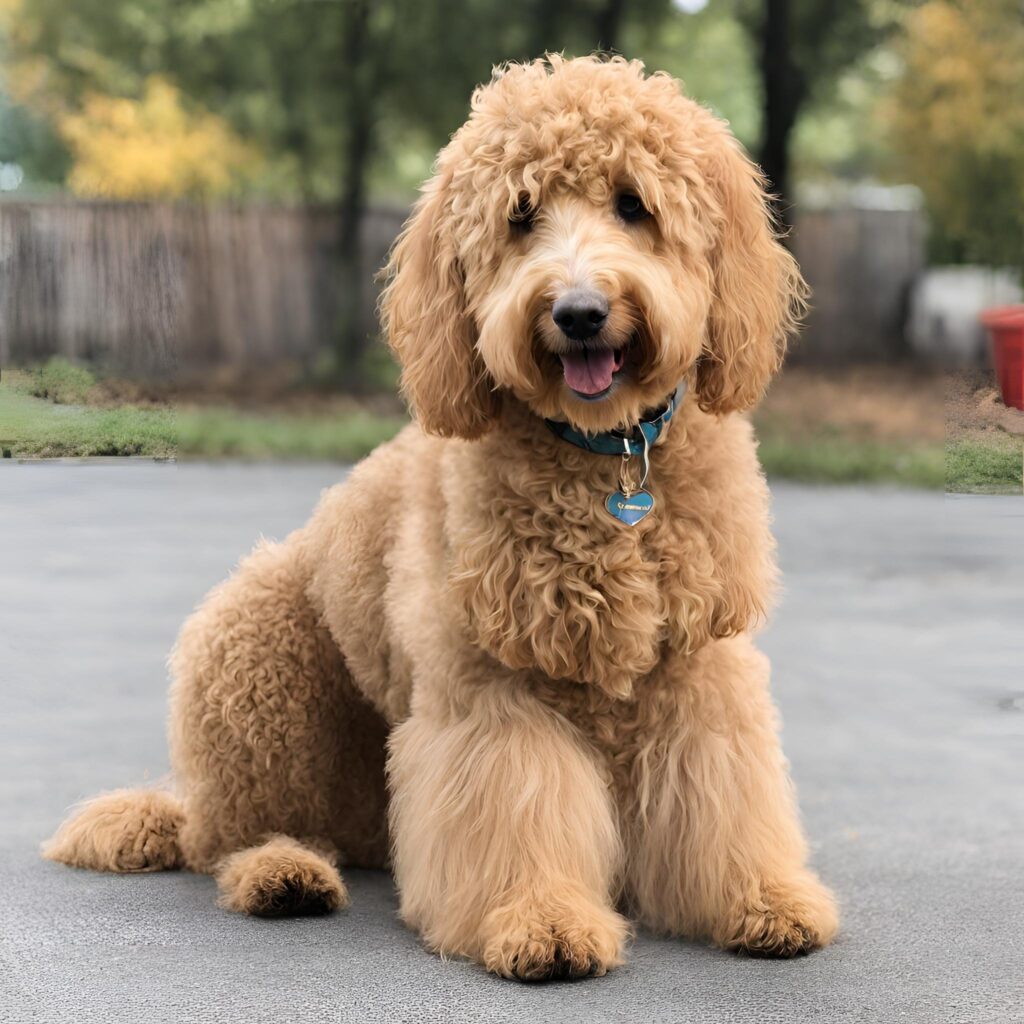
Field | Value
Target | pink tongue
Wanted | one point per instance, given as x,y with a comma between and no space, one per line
589,372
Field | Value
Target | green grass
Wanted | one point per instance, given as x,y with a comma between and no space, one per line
227,433
35,427
60,381
834,459
31,426
994,467
42,413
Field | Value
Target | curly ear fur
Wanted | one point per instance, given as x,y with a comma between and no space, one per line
759,295
423,311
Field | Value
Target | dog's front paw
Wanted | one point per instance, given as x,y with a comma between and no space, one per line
538,942
281,878
785,920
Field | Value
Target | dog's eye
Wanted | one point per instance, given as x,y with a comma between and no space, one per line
630,208
521,218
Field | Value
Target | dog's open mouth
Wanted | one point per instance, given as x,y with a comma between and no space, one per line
590,372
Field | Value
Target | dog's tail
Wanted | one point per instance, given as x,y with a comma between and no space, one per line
127,830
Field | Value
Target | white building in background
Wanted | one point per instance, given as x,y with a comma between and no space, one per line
945,304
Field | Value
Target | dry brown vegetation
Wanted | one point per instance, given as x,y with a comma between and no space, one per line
884,403
975,410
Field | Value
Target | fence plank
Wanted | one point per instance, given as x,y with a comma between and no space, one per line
860,264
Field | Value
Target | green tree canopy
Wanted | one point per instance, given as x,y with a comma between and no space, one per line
957,125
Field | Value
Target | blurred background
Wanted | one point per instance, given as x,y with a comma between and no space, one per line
195,196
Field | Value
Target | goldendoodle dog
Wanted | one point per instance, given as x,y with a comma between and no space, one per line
511,656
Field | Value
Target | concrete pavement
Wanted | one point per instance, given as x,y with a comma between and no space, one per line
897,664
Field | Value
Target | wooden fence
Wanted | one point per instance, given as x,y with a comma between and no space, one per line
153,288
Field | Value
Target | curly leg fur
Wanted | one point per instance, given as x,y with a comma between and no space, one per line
281,877
268,734
718,851
128,830
505,845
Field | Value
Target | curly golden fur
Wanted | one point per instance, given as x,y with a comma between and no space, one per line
570,715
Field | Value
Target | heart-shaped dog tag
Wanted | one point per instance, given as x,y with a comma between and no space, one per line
632,509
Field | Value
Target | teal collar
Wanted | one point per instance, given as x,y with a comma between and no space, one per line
615,442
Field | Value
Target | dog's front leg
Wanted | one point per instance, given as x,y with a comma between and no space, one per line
717,850
506,848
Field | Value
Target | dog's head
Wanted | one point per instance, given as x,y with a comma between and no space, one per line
590,238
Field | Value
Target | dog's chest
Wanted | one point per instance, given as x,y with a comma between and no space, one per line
550,580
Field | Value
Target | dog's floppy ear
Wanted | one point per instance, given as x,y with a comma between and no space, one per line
759,295
423,310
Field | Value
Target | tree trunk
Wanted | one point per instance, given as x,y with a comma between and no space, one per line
353,328
784,92
608,24
545,34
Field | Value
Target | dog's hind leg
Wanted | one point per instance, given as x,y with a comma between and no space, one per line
278,759
127,830
271,738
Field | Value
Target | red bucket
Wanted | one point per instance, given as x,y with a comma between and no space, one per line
1005,325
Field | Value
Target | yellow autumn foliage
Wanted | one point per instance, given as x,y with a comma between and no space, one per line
957,121
153,147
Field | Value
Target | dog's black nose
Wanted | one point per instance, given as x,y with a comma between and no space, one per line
580,313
